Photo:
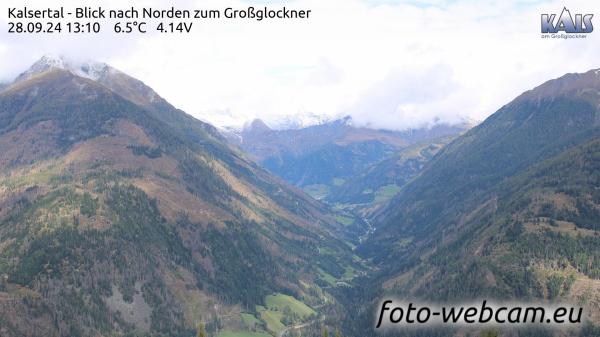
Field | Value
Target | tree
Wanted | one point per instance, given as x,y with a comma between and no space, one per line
324,331
338,333
201,332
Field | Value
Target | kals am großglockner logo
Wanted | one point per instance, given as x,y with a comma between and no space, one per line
564,27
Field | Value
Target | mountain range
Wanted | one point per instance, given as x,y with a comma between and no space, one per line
354,169
120,214
321,158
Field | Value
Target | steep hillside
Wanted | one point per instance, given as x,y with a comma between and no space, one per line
535,126
380,182
121,215
508,210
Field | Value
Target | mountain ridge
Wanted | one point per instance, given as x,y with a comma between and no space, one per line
112,206
280,150
506,210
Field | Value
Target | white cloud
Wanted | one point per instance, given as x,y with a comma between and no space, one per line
390,64
410,98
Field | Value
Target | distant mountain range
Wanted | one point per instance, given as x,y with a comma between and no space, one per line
354,169
122,215
323,156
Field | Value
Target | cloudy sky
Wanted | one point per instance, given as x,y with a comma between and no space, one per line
388,63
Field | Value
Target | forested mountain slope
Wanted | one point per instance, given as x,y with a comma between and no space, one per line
508,210
121,215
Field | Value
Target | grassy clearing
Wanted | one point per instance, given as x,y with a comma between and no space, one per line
326,251
341,207
279,309
346,221
317,191
280,301
242,334
325,276
387,192
349,273
271,318
403,243
250,320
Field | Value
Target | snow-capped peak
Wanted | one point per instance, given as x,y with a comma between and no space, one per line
300,120
50,60
91,70
88,69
